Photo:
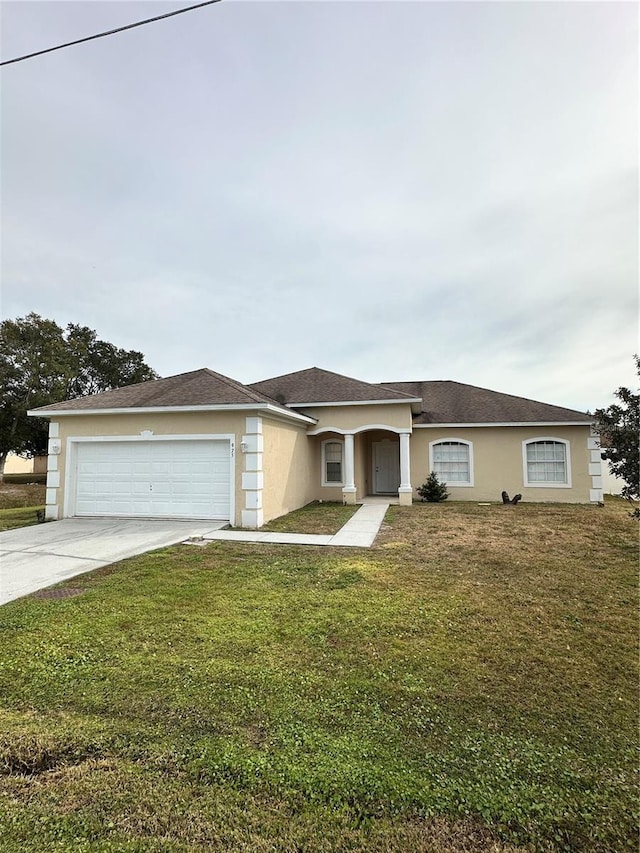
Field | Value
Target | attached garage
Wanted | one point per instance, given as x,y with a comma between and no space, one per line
156,478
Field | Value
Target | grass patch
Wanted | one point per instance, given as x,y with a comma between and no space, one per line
23,517
323,518
20,496
468,684
20,503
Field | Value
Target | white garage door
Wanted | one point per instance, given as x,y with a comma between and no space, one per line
157,479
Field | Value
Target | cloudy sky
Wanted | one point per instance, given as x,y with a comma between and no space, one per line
389,190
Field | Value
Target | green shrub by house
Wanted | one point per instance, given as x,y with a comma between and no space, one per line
433,490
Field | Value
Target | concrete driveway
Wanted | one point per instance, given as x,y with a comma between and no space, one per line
32,558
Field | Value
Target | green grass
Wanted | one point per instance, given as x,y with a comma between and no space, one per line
19,504
326,518
21,517
468,684
21,496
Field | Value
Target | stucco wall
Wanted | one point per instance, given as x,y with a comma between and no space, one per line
498,462
375,417
350,418
18,465
174,423
289,472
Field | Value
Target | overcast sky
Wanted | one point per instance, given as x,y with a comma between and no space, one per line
393,191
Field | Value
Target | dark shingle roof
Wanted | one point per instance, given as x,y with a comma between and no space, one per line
442,401
197,388
322,386
447,402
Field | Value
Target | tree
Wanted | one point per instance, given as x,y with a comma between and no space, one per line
433,490
42,363
619,428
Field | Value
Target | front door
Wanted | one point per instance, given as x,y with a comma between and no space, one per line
386,467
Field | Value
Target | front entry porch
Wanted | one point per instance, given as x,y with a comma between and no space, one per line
377,465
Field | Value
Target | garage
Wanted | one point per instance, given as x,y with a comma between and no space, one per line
153,478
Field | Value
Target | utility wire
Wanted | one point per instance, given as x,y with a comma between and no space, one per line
109,32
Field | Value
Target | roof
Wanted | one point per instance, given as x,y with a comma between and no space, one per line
446,402
197,388
314,385
441,402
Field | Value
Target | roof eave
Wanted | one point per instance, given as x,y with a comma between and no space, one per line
411,400
503,424
276,411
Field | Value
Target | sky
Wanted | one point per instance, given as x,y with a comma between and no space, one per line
389,190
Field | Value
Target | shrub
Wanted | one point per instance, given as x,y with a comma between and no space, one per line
433,490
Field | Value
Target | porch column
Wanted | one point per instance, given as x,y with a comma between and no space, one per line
405,492
349,488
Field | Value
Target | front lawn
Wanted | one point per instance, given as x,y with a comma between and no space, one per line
468,684
316,517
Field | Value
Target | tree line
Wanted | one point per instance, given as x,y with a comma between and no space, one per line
43,363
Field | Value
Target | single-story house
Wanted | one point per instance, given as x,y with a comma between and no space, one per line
201,445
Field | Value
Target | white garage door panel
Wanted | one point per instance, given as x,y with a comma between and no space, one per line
164,479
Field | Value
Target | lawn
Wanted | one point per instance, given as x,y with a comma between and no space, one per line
316,517
19,504
468,684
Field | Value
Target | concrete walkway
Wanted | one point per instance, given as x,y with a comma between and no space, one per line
359,532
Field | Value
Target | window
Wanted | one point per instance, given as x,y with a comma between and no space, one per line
332,452
452,461
546,462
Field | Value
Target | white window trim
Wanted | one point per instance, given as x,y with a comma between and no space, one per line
457,483
539,484
335,484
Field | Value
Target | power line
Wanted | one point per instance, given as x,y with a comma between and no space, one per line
109,32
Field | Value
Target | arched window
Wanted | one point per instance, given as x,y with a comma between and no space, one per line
546,462
332,462
452,460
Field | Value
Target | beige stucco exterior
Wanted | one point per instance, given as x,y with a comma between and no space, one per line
277,462
365,423
498,461
18,465
356,417
65,429
21,465
289,472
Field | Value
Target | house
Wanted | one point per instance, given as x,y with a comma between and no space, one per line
22,465
201,445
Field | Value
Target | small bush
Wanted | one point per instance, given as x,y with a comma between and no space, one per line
433,490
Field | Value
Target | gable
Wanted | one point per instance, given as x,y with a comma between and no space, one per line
197,389
322,386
